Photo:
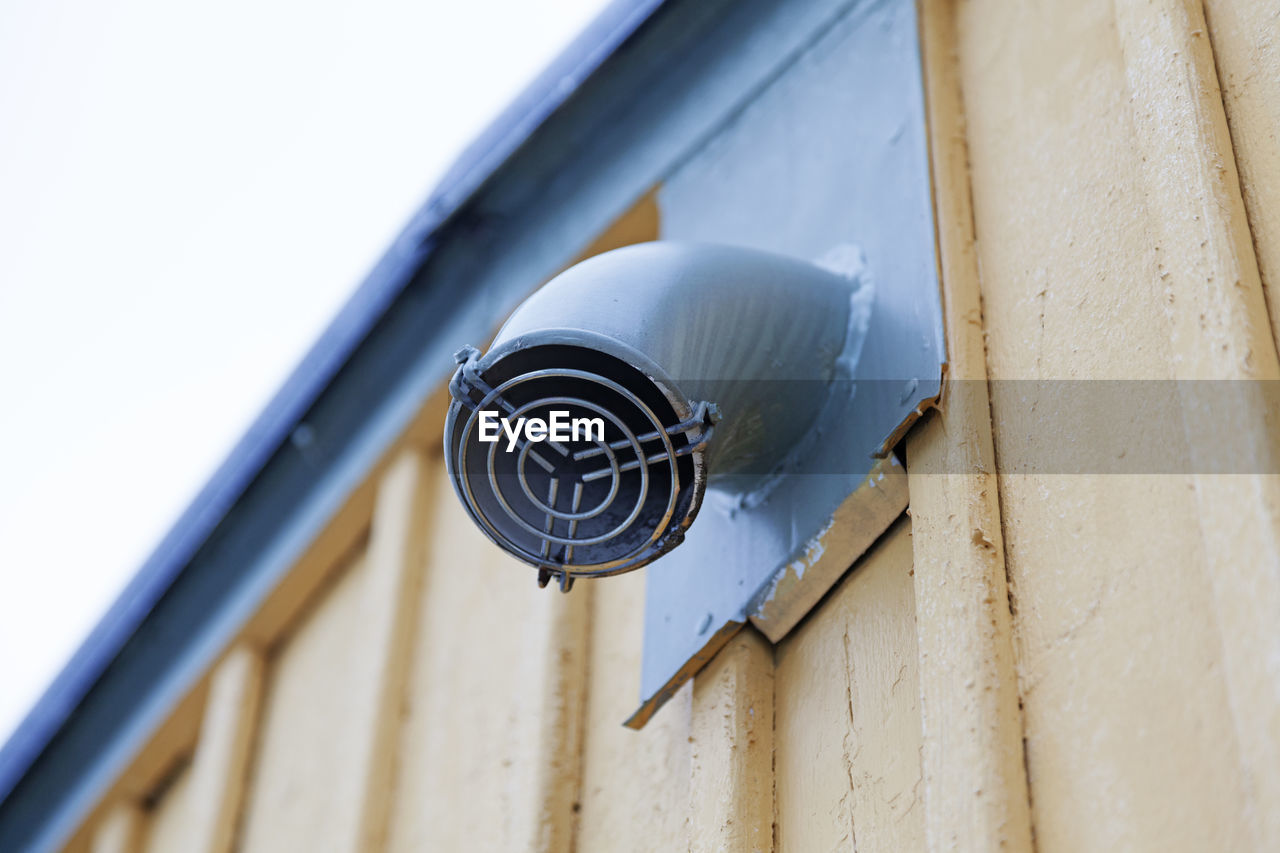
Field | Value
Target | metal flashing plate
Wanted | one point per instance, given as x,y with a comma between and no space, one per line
828,159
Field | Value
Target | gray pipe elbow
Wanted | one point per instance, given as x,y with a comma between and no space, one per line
703,361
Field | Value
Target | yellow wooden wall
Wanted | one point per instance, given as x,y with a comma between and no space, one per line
1113,243
1025,661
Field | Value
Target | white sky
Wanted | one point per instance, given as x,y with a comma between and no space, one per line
188,192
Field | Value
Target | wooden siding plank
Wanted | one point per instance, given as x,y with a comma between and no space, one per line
731,749
489,743
217,773
326,745
847,734
975,787
635,784
1220,331
1246,47
1131,735
120,830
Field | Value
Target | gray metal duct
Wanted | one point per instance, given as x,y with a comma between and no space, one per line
707,366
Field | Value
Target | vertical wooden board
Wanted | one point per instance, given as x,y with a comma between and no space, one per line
215,780
303,792
489,740
1246,47
731,743
1219,331
1129,726
635,784
847,735
975,789
169,828
338,683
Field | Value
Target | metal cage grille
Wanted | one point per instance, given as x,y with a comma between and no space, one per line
601,503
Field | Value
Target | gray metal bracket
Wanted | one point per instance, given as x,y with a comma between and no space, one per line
830,154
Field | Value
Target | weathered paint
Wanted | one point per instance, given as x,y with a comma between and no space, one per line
731,750
972,762
1218,331
847,724
1246,48
857,522
1094,153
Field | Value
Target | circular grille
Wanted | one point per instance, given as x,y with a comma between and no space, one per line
615,491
